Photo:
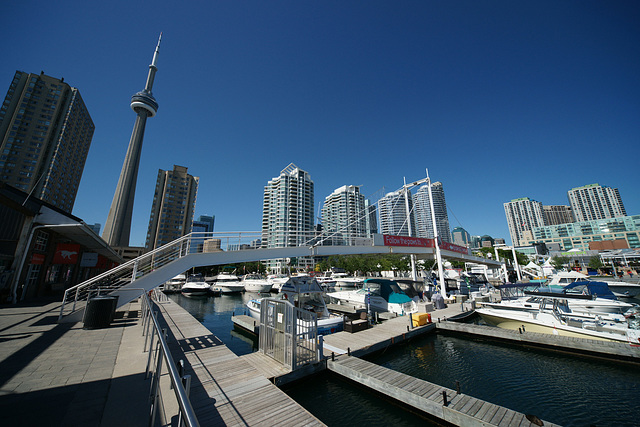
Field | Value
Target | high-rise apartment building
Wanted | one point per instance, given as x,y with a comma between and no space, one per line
522,216
45,134
557,214
345,215
173,206
287,211
460,236
392,209
423,218
595,202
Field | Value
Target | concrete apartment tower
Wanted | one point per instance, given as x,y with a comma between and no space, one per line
173,207
522,216
346,215
117,229
45,135
287,213
595,201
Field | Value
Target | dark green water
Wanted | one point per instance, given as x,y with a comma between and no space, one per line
566,390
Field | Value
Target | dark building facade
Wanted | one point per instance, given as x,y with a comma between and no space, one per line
45,134
174,202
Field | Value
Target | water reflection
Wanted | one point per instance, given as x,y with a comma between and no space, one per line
566,390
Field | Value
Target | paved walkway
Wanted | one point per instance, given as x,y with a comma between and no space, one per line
55,374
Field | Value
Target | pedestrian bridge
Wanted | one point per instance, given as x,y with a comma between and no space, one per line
129,280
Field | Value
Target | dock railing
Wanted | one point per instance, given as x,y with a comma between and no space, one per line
159,355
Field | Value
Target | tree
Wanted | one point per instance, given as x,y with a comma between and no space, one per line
595,263
559,262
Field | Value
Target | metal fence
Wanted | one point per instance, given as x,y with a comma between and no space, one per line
288,334
159,356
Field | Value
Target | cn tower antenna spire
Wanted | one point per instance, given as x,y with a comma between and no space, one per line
117,229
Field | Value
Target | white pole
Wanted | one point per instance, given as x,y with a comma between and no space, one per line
443,285
515,262
414,274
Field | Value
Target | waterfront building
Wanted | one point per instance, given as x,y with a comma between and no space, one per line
372,218
423,218
45,134
461,237
346,215
174,202
117,229
522,216
578,235
204,224
44,249
595,202
287,213
393,214
557,214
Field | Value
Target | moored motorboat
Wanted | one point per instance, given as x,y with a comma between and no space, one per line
277,280
226,283
552,315
174,284
195,287
380,295
620,288
304,292
255,283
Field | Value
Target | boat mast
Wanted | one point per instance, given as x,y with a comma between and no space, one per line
443,285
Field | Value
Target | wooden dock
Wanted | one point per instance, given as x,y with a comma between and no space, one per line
227,389
379,337
587,347
459,409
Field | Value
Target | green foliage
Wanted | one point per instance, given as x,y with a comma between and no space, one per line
559,262
595,262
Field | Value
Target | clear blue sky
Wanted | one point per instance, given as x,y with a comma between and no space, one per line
498,99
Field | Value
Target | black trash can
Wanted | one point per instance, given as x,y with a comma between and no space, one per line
100,311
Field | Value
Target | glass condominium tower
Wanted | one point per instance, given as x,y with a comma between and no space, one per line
422,206
45,135
392,210
287,209
522,216
346,215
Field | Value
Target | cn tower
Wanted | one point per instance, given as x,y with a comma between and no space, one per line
118,226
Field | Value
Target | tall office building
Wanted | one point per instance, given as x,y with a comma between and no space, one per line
522,216
557,214
204,224
174,202
345,215
287,211
45,134
424,221
117,229
392,209
460,236
594,201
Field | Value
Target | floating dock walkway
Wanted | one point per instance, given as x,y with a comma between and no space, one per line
439,402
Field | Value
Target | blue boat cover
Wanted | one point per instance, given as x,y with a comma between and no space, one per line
389,290
599,289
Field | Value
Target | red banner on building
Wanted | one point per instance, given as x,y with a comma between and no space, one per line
446,246
66,253
407,241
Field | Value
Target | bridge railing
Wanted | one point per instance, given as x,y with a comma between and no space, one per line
75,297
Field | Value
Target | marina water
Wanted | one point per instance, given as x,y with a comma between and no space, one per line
560,388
